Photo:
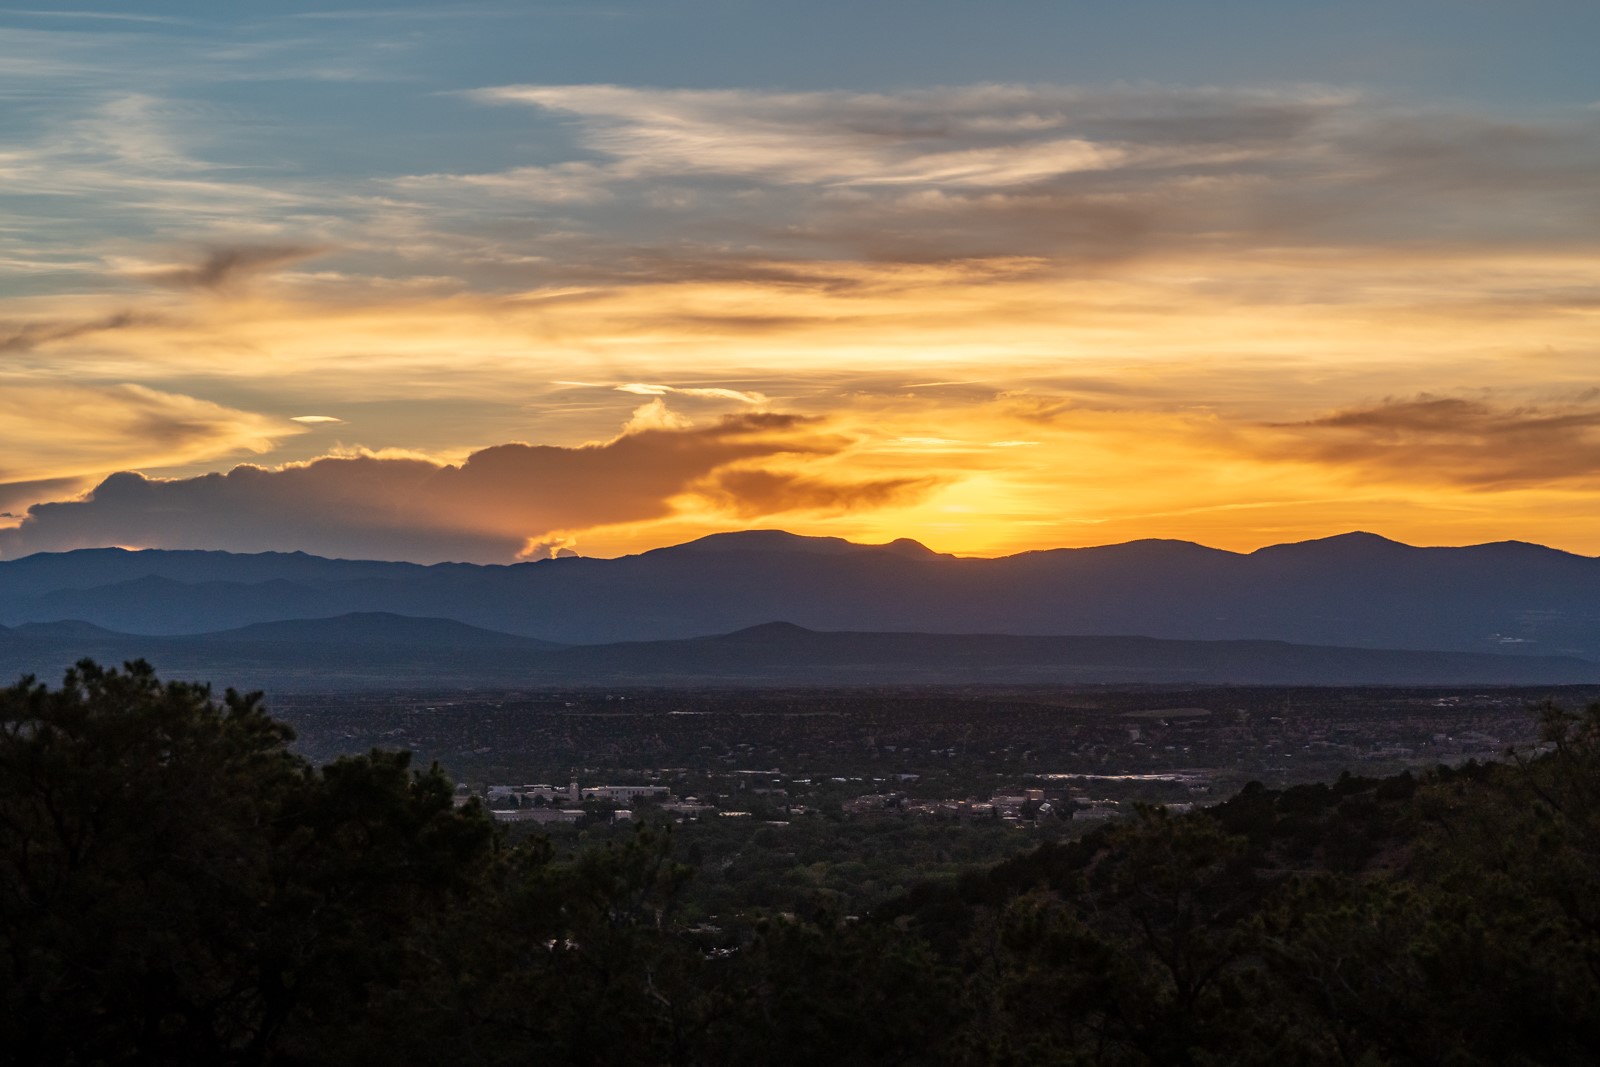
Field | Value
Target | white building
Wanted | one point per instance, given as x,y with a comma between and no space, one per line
538,815
574,795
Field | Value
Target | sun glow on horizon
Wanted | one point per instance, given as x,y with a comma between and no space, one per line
994,316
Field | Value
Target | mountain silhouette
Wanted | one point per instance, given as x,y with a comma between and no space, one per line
385,651
372,628
1353,590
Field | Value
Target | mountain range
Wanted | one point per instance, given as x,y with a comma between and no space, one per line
872,612
1353,590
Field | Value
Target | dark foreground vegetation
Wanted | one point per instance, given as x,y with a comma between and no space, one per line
176,886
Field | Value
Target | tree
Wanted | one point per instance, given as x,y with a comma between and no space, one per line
177,887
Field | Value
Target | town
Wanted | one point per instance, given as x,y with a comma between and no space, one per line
1025,757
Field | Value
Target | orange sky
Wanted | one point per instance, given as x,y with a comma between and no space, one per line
979,407
992,318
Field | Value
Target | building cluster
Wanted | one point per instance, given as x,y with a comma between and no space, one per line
777,796
1022,808
564,804
1036,762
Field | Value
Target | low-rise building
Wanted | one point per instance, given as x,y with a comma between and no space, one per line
626,793
1095,813
542,816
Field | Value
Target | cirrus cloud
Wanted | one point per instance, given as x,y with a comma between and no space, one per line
978,136
678,184
703,392
223,269
52,431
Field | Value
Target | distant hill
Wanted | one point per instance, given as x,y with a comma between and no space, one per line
782,653
374,629
67,630
1355,590
370,649
373,650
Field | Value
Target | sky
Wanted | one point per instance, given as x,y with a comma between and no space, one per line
486,281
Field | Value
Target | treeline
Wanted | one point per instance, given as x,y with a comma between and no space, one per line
177,887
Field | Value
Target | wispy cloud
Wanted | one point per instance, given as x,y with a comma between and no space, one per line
702,392
1453,441
102,16
222,269
730,180
985,136
27,336
56,430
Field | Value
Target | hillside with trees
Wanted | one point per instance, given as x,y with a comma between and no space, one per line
177,886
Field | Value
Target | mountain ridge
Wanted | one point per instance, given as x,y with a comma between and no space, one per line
384,651
1357,589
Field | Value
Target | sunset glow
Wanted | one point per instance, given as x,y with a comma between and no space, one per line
1017,308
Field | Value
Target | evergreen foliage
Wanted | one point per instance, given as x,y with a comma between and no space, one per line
177,887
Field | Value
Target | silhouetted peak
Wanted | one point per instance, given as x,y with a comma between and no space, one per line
78,554
380,627
1148,549
66,629
1517,550
783,541
768,632
765,541
905,546
1168,547
1339,546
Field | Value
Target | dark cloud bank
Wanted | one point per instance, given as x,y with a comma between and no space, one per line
1453,441
487,509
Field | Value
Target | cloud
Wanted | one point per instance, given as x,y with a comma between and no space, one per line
703,392
724,180
50,431
1136,277
225,268
109,16
980,136
562,183
30,335
656,416
16,496
1449,440
104,164
314,419
751,494
488,508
